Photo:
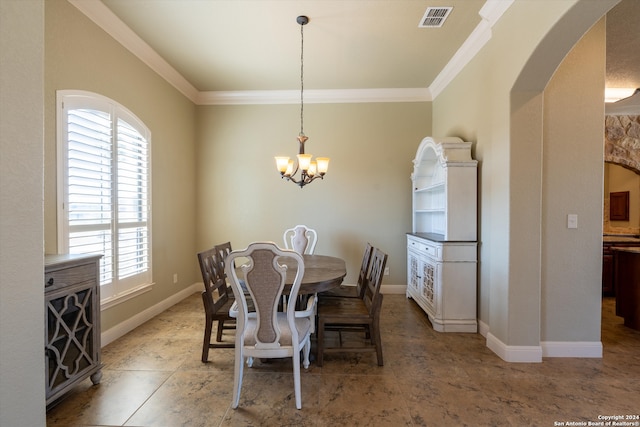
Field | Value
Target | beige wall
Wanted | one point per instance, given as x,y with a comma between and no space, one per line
366,195
498,102
572,184
476,105
22,381
79,55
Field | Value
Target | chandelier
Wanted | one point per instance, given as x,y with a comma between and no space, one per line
310,169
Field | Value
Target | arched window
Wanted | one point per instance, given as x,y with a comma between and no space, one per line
104,197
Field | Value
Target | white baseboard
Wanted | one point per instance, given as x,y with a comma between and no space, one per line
133,322
483,328
581,349
513,353
585,349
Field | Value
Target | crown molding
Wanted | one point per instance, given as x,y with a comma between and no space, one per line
314,96
490,12
493,10
102,16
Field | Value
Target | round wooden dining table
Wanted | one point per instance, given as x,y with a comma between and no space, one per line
321,273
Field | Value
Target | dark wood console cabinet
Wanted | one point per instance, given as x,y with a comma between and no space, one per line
72,322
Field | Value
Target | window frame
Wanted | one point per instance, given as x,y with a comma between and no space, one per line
119,290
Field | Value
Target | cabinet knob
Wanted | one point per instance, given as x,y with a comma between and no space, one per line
50,281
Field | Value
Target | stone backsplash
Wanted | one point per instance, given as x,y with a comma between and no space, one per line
622,141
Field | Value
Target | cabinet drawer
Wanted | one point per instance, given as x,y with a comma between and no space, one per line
425,248
62,278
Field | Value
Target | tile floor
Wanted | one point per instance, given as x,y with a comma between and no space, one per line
153,377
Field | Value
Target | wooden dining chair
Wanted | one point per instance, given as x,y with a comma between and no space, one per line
301,239
217,299
352,291
267,332
361,316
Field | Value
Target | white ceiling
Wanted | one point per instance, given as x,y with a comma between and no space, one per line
207,47
623,45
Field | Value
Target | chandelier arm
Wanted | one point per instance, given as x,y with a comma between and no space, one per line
292,178
304,179
307,179
295,171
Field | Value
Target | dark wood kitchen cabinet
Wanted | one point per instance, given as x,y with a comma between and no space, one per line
626,266
610,241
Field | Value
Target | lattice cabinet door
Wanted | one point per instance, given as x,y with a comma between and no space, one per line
413,274
428,283
72,323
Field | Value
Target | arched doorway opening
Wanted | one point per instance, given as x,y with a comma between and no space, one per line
530,173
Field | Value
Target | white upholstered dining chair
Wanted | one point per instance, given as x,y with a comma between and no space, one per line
268,333
301,239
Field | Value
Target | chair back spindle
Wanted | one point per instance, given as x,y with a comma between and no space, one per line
374,281
361,284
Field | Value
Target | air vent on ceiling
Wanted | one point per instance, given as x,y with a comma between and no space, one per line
434,17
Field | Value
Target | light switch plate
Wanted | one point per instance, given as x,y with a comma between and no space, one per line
572,221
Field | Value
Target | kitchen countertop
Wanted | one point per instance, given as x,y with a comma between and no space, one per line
620,239
633,250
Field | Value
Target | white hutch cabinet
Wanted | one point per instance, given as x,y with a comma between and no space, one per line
442,247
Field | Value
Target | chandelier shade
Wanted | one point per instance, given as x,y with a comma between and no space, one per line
309,169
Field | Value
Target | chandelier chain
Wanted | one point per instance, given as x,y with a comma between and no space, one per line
301,80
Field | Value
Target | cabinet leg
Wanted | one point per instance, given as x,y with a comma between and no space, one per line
96,377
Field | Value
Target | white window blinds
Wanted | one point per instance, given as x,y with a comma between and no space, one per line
105,204
132,201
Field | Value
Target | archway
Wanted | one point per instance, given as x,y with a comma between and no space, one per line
527,130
